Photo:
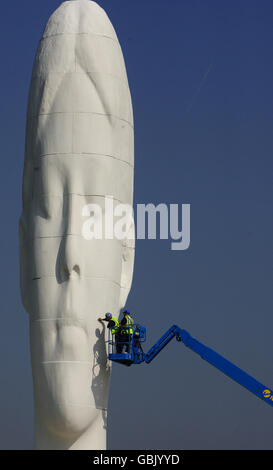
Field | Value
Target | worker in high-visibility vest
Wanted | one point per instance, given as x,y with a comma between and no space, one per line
125,335
113,323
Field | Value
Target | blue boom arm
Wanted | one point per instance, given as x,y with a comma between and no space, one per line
215,359
135,355
161,343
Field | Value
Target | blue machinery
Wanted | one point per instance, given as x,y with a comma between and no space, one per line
129,351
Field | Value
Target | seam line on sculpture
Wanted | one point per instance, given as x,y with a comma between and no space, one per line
79,34
34,116
79,194
72,154
84,72
63,236
85,277
74,405
68,194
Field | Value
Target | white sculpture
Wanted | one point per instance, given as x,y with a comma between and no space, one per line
79,148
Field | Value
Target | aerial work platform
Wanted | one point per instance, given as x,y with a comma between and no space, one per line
130,352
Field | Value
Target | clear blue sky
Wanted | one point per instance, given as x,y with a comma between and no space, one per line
201,74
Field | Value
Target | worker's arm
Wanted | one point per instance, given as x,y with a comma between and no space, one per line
111,323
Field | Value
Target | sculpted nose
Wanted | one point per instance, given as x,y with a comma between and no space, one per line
68,262
69,259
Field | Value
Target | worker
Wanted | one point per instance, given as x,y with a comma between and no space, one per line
113,323
125,335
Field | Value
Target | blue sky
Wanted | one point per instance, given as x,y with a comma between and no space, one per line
201,75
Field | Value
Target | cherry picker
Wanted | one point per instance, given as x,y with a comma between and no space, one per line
134,354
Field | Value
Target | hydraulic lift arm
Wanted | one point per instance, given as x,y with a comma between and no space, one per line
215,359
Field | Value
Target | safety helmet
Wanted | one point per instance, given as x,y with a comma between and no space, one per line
108,316
127,311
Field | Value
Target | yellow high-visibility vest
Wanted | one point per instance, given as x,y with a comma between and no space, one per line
129,322
115,328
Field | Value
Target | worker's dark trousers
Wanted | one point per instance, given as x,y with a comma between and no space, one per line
123,342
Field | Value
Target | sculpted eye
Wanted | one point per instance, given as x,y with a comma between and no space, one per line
48,207
40,199
47,204
42,207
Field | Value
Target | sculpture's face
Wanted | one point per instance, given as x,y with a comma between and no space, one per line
63,273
